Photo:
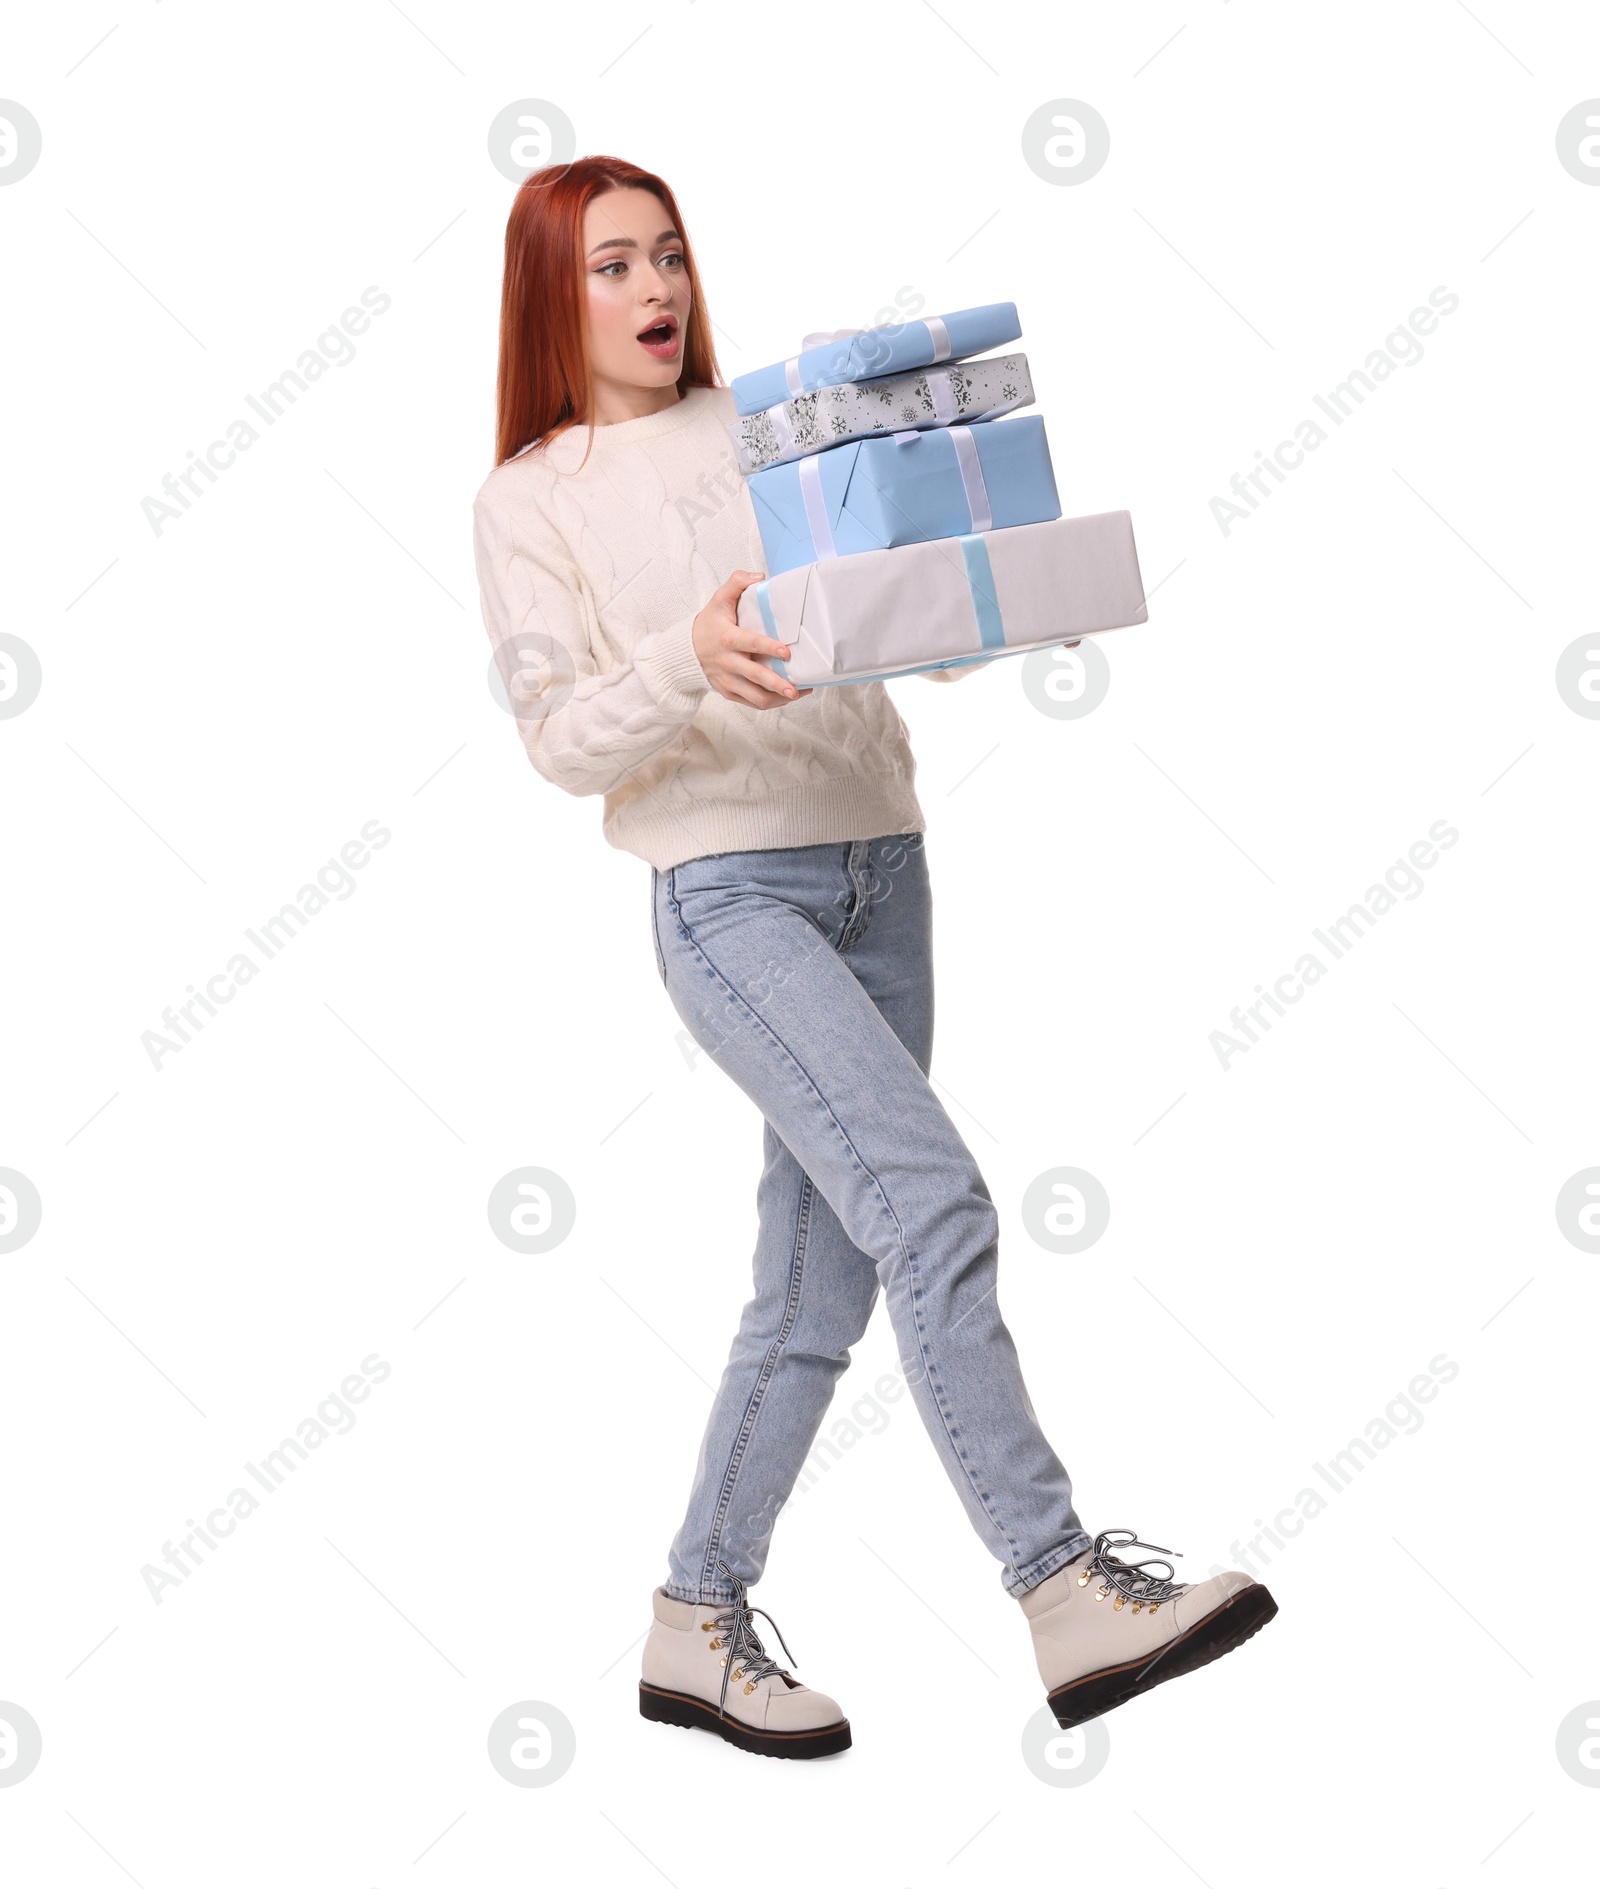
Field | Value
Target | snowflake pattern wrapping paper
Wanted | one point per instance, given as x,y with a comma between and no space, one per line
927,397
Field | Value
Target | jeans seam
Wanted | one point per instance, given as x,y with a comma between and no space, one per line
936,1391
655,926
983,1497
860,909
698,1599
741,1443
1051,1563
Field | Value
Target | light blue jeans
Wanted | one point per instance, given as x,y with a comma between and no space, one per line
806,973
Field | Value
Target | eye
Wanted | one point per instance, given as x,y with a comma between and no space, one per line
674,257
605,268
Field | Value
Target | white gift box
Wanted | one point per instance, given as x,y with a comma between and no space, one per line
950,600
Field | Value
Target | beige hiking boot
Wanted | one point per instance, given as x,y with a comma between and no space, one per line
1105,1629
705,1666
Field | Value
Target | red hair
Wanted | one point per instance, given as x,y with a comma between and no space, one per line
545,382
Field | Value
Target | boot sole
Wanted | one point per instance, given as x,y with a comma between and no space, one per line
680,1708
1221,1630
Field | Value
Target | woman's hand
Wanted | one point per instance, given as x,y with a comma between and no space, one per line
730,655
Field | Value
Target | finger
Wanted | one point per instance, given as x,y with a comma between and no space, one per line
752,698
763,677
753,669
754,643
737,584
759,699
757,696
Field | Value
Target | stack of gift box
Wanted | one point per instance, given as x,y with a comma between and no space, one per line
908,526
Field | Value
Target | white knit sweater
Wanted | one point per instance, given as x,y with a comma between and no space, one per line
611,564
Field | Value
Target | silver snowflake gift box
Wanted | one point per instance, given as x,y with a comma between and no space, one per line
946,395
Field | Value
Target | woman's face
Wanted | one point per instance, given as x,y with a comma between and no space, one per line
638,290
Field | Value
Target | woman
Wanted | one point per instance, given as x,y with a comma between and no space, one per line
792,924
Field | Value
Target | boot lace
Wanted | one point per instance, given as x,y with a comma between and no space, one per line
1128,1580
734,1629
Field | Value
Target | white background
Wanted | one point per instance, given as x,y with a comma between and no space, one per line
226,704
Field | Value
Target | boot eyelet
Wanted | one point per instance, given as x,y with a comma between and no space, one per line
751,1686
1116,1605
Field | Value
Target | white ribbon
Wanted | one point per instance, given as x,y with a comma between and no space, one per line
782,430
937,333
816,507
791,367
972,477
969,466
944,398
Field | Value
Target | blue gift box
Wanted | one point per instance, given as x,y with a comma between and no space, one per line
888,350
871,494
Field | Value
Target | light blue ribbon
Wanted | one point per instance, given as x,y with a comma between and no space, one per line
980,581
770,624
985,607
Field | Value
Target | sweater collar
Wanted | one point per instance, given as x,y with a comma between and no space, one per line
569,448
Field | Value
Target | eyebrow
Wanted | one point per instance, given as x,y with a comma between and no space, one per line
627,242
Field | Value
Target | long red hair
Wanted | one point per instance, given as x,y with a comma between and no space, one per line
545,381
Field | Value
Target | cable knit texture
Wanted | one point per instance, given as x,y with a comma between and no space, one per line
600,569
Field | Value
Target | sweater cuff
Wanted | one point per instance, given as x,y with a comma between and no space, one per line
671,670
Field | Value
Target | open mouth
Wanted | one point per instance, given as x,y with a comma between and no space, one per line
661,338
